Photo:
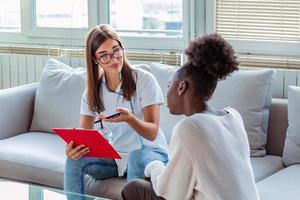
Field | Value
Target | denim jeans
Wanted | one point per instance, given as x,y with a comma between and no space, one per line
103,168
139,159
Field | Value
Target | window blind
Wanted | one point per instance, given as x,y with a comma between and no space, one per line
270,20
170,58
269,62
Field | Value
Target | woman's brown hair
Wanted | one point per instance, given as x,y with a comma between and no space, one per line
98,35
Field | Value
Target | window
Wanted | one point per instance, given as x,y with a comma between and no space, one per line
63,22
61,13
272,20
10,16
142,24
147,17
268,28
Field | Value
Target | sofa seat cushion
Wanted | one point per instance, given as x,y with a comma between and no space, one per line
33,157
281,185
39,158
265,166
109,188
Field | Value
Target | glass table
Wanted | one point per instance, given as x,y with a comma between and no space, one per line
10,190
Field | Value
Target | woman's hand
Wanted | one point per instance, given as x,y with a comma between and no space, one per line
77,152
125,116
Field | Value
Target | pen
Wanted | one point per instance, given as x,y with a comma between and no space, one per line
111,116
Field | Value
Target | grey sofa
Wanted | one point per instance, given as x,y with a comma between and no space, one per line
38,157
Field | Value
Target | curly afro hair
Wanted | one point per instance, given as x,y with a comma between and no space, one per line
213,54
210,58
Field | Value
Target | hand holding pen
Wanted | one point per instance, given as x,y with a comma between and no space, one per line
101,117
122,115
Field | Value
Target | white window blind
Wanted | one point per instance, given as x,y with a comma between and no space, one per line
269,62
270,20
170,58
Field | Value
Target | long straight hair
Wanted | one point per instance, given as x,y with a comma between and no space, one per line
95,38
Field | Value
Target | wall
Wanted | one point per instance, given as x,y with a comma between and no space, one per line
23,69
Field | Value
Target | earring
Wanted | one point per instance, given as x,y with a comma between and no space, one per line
182,85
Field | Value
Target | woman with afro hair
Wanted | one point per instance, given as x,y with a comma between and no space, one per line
209,150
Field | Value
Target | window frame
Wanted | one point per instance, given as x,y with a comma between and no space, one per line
98,12
158,42
41,36
29,30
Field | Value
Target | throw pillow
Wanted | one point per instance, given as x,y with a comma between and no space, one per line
248,91
163,74
58,97
291,151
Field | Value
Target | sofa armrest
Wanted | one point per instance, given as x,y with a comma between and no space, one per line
16,109
278,124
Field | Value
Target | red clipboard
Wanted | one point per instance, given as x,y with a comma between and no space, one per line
99,146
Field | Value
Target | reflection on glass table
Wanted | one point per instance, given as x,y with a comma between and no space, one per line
22,191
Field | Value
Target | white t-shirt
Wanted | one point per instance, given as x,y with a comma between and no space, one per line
209,160
125,139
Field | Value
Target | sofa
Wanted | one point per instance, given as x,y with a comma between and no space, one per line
30,152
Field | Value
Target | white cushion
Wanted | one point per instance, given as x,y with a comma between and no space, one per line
291,151
248,91
283,185
58,97
265,166
142,66
163,74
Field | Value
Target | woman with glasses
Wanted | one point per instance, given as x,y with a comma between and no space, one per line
113,86
209,149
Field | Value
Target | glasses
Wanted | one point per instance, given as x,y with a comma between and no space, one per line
106,58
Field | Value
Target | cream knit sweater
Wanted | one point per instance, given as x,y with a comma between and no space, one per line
209,160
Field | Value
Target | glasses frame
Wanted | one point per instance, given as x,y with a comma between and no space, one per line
114,54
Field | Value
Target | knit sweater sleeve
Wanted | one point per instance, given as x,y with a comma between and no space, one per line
176,180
